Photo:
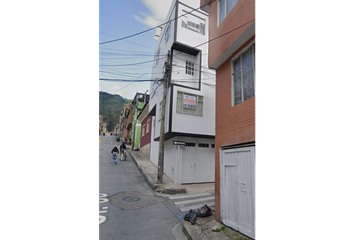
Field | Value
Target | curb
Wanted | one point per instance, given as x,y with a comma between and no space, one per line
142,170
174,190
185,231
154,186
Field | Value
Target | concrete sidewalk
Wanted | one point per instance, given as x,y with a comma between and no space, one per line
149,170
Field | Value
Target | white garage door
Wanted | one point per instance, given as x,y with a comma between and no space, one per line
198,164
237,189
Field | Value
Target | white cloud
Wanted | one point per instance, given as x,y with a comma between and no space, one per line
158,12
147,20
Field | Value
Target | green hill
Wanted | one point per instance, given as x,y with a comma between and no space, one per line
110,107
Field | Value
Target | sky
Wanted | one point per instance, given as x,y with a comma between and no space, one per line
118,19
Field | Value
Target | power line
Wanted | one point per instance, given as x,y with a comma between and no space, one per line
150,80
147,30
131,82
125,80
130,64
133,64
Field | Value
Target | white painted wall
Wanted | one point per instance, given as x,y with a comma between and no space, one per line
178,75
191,123
176,160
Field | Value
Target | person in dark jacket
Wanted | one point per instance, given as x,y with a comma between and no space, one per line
115,152
123,149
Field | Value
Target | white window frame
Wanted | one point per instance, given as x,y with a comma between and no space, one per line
181,109
148,126
232,74
142,134
189,68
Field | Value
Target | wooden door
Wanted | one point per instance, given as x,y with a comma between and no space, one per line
237,189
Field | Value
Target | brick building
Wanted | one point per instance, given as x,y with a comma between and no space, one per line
232,55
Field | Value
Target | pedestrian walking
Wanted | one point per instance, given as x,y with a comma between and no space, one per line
123,150
115,152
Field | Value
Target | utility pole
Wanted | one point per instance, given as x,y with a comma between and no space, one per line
162,126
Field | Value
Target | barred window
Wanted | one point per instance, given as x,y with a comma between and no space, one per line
190,68
189,104
203,145
190,144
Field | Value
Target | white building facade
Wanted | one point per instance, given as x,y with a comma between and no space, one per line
190,98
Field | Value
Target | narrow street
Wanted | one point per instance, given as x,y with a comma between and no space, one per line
128,208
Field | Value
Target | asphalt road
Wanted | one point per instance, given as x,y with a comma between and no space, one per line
128,208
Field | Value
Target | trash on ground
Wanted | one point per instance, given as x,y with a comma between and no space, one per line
204,211
192,215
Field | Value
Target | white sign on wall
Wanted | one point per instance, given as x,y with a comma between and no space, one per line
189,102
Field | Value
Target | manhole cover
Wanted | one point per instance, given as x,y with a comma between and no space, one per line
134,200
131,199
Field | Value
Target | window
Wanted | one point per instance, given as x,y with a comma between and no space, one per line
190,144
203,145
212,145
224,8
243,68
189,104
142,133
148,126
189,68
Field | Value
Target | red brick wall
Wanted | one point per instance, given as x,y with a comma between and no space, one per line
243,12
233,125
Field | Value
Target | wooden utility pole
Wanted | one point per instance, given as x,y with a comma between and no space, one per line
162,126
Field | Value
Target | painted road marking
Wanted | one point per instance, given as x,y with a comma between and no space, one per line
187,202
103,198
102,219
184,209
193,200
191,196
101,140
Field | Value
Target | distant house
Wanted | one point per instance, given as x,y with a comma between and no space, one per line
125,121
145,133
232,55
190,101
137,105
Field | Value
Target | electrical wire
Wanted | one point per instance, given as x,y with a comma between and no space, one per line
147,30
150,80
133,64
126,80
129,64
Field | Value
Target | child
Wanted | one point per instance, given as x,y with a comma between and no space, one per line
115,151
